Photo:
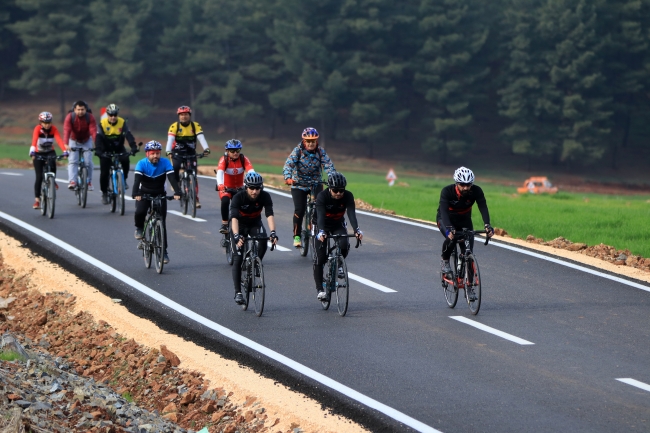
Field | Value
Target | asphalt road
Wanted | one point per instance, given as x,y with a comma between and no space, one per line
402,360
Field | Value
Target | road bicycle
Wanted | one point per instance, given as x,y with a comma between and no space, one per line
335,274
188,182
81,189
152,243
48,184
464,272
225,237
116,185
252,273
306,234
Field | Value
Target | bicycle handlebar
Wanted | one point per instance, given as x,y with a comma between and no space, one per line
346,236
156,197
259,238
47,158
461,235
181,156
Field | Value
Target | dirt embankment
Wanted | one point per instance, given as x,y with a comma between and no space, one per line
99,338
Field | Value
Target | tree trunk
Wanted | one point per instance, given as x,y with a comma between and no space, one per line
274,115
335,124
194,112
62,102
321,138
2,89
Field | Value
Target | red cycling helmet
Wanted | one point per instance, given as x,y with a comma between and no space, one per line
184,109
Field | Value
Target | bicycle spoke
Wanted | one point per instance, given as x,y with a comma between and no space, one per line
342,287
451,290
258,287
473,284
51,196
159,247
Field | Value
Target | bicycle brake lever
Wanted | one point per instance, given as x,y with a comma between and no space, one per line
358,243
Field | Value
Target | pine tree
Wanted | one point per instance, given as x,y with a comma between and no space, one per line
115,52
54,46
450,71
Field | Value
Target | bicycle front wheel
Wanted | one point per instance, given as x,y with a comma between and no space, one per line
120,192
328,277
259,289
342,287
159,245
191,186
186,195
245,283
473,284
51,196
111,192
147,243
304,234
44,196
83,186
451,291
225,242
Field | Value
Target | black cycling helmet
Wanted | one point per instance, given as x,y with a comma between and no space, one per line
336,180
253,179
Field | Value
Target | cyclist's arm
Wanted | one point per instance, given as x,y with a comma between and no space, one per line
320,209
271,220
444,208
201,138
267,202
34,146
129,137
221,170
172,181
482,204
352,213
170,142
63,146
67,128
92,126
326,162
99,144
290,164
137,180
248,167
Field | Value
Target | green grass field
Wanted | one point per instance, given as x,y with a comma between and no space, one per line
620,221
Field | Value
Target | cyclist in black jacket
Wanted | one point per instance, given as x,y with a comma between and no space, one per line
455,211
331,206
246,218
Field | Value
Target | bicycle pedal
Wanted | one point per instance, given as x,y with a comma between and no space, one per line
140,246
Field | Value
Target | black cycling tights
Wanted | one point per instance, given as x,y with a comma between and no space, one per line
447,245
321,254
300,206
237,253
38,167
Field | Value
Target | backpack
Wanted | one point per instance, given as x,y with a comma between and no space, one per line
74,115
178,126
320,159
227,160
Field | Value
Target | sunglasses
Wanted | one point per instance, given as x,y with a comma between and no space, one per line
337,190
254,188
234,150
112,115
464,184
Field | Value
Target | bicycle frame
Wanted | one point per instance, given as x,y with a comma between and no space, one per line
461,258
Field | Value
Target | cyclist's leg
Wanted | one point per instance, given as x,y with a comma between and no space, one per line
237,257
73,162
344,242
163,211
124,160
195,165
225,206
299,204
447,245
177,163
38,168
319,262
104,172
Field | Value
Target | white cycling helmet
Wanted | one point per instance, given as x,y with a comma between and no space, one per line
463,175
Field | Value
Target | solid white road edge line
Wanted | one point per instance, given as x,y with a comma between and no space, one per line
180,214
491,330
641,385
509,247
302,369
11,174
370,283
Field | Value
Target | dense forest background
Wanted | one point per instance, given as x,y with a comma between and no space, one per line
562,83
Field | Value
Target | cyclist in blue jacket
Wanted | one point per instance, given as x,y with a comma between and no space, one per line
150,175
302,168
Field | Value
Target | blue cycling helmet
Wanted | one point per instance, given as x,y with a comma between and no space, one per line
309,133
253,179
233,144
152,145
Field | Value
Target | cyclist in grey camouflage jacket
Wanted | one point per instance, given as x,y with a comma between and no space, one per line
303,167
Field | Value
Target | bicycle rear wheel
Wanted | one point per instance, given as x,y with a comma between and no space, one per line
83,186
111,193
246,282
44,196
259,289
147,243
120,192
473,284
451,291
328,277
342,287
191,181
159,245
51,196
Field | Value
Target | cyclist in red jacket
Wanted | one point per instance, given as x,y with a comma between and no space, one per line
230,175
43,145
80,130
